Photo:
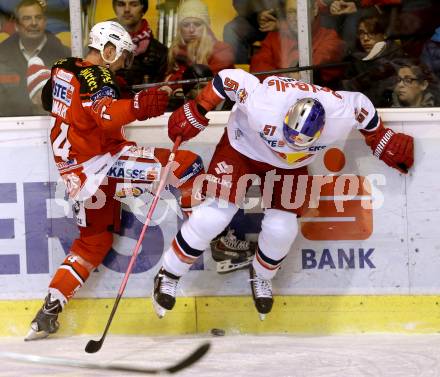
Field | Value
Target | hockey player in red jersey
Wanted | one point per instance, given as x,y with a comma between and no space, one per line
278,126
96,161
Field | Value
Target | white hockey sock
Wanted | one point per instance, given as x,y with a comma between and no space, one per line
278,231
173,264
207,220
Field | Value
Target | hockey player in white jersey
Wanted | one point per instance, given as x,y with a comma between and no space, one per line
278,126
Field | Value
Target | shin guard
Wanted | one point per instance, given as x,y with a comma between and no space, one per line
71,275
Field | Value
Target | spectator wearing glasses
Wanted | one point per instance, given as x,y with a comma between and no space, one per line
415,86
344,15
24,60
372,70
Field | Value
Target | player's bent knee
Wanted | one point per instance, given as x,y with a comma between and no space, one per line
206,222
69,277
93,248
190,165
278,230
81,261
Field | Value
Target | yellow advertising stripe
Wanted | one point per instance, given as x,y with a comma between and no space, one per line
323,314
134,316
291,314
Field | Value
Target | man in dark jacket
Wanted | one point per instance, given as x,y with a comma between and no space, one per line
150,61
24,58
371,69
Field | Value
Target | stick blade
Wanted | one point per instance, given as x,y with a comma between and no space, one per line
71,363
195,356
93,346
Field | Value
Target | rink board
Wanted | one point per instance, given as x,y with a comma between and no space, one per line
313,315
381,257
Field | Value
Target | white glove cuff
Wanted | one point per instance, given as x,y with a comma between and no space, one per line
189,115
384,141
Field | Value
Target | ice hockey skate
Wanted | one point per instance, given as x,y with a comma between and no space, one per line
45,322
230,253
261,292
164,292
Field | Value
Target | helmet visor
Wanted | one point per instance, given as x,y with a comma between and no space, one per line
303,123
299,141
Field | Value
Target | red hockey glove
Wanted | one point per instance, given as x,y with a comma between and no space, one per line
186,121
396,150
150,103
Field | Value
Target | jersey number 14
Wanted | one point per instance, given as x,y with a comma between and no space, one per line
61,145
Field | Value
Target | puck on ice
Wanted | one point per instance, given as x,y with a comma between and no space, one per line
218,332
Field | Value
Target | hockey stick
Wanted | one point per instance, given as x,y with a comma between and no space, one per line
273,72
186,362
95,345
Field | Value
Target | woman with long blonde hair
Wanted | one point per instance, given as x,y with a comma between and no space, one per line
195,42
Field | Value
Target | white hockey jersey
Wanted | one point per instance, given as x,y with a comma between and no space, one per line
255,126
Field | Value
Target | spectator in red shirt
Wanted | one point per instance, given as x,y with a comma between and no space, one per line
280,48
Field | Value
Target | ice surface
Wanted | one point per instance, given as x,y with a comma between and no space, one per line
243,355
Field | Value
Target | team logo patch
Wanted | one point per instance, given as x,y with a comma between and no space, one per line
65,164
195,168
218,181
62,91
242,95
73,184
224,168
76,207
294,158
90,77
60,61
125,192
141,152
238,133
105,91
63,75
135,170
115,37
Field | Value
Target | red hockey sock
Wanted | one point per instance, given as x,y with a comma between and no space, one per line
70,276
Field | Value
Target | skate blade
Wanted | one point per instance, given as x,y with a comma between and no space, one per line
262,316
160,311
226,266
34,334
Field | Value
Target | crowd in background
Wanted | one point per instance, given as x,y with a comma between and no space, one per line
387,49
